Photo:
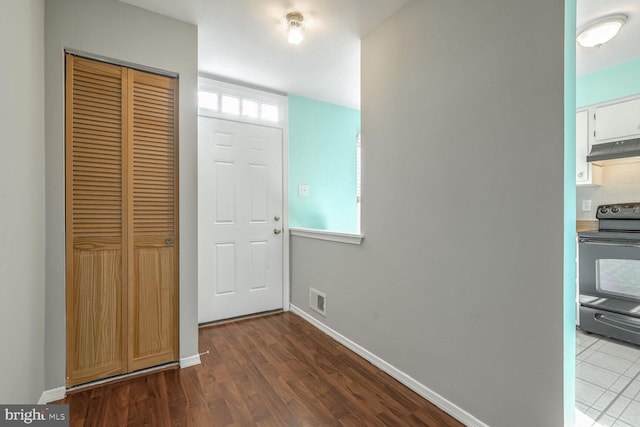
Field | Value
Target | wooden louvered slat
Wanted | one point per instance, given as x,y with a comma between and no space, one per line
93,70
107,129
90,99
88,122
96,132
90,94
92,167
154,115
90,155
98,190
146,90
83,81
151,145
152,169
90,107
154,103
155,118
111,87
159,137
82,148
91,112
147,101
104,142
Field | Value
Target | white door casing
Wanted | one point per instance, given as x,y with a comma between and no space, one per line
240,212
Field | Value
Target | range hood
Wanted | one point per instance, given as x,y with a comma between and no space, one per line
614,150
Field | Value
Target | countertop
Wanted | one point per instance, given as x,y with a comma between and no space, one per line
586,226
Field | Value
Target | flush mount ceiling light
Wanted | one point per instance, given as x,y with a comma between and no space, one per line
601,30
294,22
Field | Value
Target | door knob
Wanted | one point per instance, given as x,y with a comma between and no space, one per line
277,231
169,241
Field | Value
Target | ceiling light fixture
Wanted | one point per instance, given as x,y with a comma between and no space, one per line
294,22
598,32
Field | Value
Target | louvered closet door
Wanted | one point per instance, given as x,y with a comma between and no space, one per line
96,221
121,223
153,290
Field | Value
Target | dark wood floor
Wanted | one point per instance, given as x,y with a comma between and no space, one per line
271,371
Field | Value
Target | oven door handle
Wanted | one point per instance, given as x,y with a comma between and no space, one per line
620,323
608,242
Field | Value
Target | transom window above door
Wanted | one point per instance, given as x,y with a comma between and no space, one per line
218,99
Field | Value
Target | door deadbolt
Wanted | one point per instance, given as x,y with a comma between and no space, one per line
276,218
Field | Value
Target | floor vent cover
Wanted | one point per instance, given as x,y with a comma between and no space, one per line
318,301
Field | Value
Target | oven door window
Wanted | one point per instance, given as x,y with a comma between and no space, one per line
619,277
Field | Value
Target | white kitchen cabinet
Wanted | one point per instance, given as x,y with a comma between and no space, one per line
617,121
586,173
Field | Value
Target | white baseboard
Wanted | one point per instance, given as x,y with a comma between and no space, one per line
52,395
433,397
60,392
186,362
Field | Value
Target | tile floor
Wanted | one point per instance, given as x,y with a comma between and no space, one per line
607,382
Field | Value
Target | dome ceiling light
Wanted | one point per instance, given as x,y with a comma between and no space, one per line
601,30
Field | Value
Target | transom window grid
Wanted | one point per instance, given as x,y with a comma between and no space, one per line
218,102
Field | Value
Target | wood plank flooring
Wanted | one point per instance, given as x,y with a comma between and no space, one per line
275,370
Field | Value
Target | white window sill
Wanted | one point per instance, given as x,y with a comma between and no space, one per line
332,236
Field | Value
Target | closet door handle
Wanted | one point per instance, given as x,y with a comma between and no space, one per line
169,241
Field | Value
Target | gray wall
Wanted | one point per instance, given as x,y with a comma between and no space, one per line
458,282
22,201
126,33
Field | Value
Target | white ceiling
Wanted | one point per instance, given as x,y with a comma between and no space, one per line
624,47
245,41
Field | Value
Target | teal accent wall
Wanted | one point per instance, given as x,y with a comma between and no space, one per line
322,155
569,313
610,83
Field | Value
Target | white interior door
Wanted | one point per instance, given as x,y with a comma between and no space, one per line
239,219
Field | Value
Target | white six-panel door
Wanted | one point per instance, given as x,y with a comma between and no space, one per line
239,219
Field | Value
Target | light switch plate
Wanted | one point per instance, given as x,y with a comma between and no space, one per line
586,205
303,190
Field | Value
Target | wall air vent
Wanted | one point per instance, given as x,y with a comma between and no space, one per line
318,301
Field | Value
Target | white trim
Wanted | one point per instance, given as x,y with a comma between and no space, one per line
286,271
332,236
433,397
186,362
52,395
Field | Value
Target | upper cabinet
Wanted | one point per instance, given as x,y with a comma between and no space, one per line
586,173
617,121
598,124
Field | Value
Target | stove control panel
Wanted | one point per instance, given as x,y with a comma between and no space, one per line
619,211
